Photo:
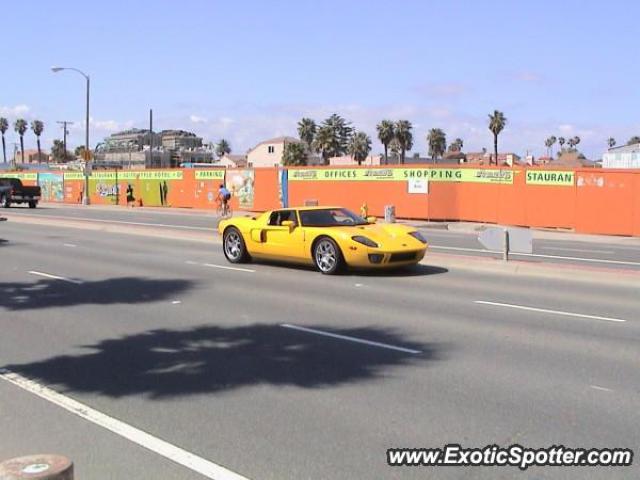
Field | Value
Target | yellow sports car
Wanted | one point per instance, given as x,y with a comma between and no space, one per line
330,238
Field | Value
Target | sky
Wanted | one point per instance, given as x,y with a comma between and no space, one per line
249,70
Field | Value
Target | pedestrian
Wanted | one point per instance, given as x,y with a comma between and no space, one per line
131,200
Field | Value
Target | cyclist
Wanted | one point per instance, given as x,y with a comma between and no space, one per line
224,196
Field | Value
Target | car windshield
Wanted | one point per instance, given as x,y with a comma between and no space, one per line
330,217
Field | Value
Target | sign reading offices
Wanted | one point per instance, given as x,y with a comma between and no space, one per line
551,177
403,174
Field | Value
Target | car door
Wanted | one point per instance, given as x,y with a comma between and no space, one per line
281,241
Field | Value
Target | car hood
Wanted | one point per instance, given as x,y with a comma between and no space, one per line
387,235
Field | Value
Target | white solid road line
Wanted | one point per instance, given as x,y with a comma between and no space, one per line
582,250
602,389
226,267
350,339
538,255
554,312
70,245
54,277
222,267
144,224
135,435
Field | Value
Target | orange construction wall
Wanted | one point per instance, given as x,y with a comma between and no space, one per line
600,201
605,201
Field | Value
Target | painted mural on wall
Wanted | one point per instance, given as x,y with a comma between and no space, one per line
52,186
241,185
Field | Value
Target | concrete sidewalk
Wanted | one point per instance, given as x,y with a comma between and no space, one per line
469,228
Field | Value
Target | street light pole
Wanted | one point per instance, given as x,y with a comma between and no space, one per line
87,152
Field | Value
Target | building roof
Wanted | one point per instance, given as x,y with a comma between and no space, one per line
571,160
634,147
284,139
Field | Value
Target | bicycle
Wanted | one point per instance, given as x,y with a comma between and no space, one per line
223,211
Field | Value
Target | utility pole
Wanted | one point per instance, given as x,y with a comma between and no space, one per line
151,137
64,124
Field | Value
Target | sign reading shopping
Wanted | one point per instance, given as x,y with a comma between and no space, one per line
402,174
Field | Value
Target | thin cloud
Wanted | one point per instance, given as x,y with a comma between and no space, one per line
14,111
441,90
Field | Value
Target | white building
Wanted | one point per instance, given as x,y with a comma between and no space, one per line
625,156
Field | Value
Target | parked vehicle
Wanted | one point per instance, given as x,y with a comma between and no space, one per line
13,191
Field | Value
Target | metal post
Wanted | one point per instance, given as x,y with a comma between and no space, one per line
505,245
87,152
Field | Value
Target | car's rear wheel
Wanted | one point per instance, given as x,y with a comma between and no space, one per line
234,247
33,204
6,201
327,256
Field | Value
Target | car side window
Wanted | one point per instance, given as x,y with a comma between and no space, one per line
276,218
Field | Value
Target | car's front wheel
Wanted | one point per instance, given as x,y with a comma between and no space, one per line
327,256
234,247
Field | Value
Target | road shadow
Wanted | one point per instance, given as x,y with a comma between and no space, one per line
211,359
46,293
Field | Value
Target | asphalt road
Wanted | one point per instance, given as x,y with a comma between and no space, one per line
234,365
616,252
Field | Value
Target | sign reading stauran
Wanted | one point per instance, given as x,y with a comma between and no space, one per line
403,174
550,177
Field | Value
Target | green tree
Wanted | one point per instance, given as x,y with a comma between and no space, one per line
576,141
4,126
38,127
340,133
394,149
79,153
572,143
497,122
359,147
223,148
404,137
633,140
57,152
437,142
20,126
456,145
323,143
386,133
294,154
611,142
549,143
307,131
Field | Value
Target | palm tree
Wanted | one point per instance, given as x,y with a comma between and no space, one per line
548,143
404,137
576,140
553,141
359,147
571,142
222,148
633,140
4,126
294,154
323,143
561,142
497,122
386,133
307,131
37,126
20,126
611,142
437,141
341,132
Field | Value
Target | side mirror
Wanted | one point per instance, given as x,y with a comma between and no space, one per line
289,224
372,219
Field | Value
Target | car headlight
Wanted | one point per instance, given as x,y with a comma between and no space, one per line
418,236
365,241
